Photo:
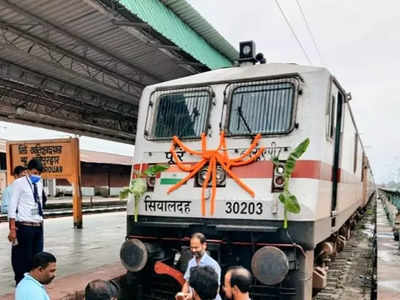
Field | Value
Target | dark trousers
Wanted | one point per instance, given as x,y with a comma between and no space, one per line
30,242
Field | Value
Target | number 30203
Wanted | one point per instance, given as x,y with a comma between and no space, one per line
244,208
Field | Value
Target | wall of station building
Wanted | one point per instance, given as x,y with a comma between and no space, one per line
97,179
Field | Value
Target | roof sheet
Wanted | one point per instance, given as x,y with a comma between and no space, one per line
191,17
105,158
165,21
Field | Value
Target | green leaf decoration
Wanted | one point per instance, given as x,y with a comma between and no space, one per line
275,160
292,204
124,194
138,185
289,200
283,196
294,156
154,170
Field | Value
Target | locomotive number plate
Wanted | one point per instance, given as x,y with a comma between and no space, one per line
244,208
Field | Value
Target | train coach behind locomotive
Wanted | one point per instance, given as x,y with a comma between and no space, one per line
210,129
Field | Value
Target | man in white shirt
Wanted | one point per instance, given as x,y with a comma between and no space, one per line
25,216
237,283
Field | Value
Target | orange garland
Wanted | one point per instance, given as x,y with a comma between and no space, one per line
213,157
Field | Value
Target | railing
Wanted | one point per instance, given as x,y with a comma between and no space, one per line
391,203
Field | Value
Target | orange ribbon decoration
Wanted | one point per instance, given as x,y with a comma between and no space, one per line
212,157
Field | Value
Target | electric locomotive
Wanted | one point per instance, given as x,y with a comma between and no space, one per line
220,133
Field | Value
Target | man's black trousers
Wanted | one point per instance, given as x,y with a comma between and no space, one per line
30,242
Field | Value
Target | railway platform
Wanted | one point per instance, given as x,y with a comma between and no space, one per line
82,254
62,206
388,258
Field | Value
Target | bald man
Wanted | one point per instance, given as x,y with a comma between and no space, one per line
237,283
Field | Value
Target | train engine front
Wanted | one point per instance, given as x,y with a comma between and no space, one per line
211,130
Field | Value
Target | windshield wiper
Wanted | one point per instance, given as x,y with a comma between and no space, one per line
240,113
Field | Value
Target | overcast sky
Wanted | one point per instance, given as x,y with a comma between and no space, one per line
358,41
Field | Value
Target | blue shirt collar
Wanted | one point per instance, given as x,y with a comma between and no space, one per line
29,277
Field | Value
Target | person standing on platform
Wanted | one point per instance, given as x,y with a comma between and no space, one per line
25,215
19,171
100,290
198,246
237,283
42,273
204,281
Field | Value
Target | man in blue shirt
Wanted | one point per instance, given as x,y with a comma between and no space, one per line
42,273
19,171
198,246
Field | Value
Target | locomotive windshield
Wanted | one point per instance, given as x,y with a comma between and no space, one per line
262,108
181,113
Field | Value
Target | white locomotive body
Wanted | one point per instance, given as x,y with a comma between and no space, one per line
285,103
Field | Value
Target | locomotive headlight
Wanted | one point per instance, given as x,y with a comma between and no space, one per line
201,176
278,179
220,176
151,181
280,169
246,50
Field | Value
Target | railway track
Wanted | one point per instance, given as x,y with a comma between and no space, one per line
351,273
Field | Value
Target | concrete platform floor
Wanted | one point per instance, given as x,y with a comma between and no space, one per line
77,250
388,258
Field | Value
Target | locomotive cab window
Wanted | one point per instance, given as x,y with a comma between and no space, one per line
331,115
183,113
263,107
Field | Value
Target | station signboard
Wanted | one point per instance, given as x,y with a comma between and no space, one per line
60,159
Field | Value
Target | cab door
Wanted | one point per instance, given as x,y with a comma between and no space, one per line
336,133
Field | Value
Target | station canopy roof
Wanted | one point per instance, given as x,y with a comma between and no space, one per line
80,65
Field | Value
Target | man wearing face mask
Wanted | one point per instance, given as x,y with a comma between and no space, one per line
25,215
198,246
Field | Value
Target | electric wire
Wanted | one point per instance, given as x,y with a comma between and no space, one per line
293,32
309,31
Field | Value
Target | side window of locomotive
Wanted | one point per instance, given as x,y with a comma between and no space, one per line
262,108
181,113
355,152
332,117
